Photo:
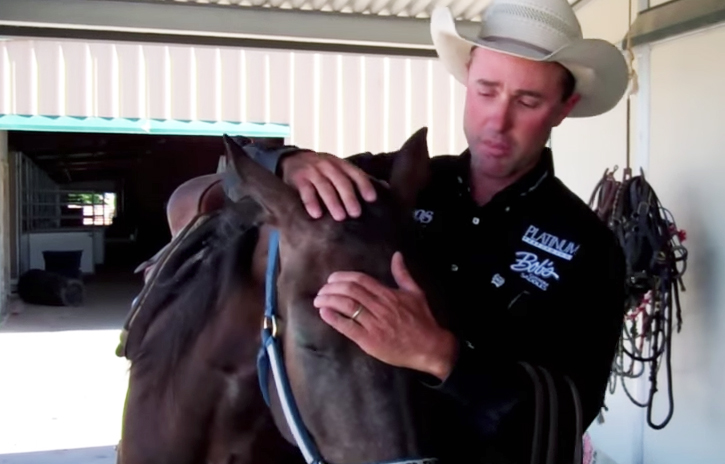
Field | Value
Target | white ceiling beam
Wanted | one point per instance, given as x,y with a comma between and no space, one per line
205,23
675,18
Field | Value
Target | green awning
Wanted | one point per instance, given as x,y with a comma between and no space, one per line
140,126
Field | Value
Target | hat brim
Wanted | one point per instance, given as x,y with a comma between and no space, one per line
599,68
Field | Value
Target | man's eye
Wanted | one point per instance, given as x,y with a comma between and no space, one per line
529,103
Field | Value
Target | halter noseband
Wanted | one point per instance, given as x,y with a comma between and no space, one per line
270,356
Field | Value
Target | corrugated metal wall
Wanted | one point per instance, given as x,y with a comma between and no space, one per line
338,103
5,259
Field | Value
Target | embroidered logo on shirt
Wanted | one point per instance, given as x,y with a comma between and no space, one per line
550,243
498,280
534,270
423,216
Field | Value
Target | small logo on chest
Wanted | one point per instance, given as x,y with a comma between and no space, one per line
534,270
423,216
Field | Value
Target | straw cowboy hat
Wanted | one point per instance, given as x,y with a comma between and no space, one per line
541,30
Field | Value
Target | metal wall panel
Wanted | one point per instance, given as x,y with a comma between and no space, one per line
339,103
685,167
4,226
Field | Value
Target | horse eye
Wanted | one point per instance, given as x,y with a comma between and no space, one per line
315,350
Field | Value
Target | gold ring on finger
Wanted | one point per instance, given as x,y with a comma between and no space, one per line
357,312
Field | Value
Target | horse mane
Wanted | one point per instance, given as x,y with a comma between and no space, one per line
189,296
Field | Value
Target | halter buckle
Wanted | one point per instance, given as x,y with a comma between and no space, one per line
270,322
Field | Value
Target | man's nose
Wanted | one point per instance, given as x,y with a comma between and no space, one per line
500,115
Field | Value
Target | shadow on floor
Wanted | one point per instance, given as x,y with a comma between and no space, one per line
108,297
98,454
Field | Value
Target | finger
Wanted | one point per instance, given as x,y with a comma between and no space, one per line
345,306
309,198
361,179
342,324
344,187
327,192
401,275
366,281
370,284
370,299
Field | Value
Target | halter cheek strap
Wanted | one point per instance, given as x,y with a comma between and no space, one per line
270,356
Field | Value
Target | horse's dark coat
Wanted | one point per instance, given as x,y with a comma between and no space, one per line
194,395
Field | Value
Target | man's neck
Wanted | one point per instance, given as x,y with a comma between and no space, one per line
484,187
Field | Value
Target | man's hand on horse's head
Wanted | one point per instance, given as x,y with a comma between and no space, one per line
332,179
395,326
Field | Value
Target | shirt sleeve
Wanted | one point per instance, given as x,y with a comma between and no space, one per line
376,165
579,346
268,158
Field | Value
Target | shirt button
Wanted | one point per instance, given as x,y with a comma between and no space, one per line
476,220
454,268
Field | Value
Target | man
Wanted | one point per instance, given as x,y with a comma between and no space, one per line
530,274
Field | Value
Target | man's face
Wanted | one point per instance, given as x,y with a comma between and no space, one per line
511,106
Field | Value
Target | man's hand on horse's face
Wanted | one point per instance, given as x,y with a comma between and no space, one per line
395,326
330,178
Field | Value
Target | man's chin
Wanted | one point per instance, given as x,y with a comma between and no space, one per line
495,167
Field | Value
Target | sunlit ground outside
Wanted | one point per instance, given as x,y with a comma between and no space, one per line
61,385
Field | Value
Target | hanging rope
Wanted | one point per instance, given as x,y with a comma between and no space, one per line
655,260
655,264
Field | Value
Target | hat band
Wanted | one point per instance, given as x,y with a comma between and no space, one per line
507,40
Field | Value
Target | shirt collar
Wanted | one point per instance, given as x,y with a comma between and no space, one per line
529,182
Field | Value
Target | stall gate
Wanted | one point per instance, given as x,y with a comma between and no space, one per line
52,218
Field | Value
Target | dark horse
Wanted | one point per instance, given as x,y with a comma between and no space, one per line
202,391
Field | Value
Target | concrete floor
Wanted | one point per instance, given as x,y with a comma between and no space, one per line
61,385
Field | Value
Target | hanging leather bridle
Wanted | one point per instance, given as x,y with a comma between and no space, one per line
652,245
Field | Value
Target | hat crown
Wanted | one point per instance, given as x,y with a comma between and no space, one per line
546,25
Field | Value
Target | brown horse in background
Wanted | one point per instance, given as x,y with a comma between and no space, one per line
196,395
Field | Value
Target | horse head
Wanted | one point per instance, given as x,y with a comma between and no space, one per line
327,396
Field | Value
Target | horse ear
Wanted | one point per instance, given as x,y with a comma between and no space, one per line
279,200
411,168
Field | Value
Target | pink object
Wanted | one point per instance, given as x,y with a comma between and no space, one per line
588,450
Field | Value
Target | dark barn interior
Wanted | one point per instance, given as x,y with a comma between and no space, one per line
143,171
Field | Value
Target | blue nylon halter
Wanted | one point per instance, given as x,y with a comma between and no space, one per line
270,357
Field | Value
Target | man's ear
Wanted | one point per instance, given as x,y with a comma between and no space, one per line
567,107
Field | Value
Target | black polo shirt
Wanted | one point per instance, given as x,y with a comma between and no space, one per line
532,276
